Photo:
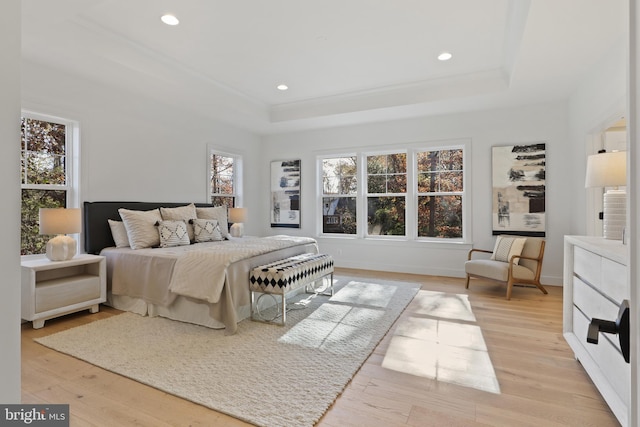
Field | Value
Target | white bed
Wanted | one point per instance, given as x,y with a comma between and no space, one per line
202,283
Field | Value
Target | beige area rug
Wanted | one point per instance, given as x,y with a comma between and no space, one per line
266,375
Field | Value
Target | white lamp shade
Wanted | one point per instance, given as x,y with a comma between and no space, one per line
237,215
607,169
60,221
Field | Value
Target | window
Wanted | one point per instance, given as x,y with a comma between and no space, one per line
440,180
386,194
339,188
417,193
46,174
224,178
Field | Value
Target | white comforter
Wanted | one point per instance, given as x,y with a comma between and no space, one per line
201,274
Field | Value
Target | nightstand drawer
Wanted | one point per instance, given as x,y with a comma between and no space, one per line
67,291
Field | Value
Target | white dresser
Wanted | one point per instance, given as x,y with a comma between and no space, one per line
595,283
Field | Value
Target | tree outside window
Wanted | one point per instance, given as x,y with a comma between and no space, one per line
223,180
339,187
440,189
416,192
386,194
45,177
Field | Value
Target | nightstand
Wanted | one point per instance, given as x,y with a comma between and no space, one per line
54,288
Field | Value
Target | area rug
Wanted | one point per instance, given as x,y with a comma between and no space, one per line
266,375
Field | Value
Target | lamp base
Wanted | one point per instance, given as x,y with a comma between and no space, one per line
61,248
236,229
615,214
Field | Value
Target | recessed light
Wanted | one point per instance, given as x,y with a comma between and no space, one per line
170,19
282,87
444,56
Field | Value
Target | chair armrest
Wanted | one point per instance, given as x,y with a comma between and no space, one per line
478,250
525,257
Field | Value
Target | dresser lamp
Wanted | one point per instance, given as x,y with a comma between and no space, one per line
60,221
610,170
237,216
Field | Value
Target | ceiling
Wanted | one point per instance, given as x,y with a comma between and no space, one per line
345,61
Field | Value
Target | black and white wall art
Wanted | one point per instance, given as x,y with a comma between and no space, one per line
285,193
519,189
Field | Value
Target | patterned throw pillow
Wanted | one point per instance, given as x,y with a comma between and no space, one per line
219,213
508,246
173,233
141,227
206,230
185,213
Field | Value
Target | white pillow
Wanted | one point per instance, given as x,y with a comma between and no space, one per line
184,213
508,246
141,227
173,233
119,233
206,230
219,213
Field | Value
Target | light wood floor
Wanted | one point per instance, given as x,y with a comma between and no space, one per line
525,375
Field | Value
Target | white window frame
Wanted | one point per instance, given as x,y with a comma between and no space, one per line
320,165
411,196
72,161
462,194
407,202
237,174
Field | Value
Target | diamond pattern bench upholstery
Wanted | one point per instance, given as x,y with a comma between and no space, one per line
289,274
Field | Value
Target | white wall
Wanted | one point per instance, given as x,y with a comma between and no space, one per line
133,148
10,195
547,123
599,100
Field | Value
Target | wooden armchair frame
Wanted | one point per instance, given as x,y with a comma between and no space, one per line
510,277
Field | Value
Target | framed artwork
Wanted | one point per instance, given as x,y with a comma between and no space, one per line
518,173
285,193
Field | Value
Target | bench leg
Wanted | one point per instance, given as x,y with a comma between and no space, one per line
325,292
284,311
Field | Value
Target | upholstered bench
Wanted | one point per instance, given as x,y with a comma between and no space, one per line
286,275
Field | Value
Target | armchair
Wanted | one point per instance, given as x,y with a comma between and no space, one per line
524,267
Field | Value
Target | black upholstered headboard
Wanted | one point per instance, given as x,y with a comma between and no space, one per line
96,230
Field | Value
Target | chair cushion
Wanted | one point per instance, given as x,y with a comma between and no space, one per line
531,249
496,270
508,246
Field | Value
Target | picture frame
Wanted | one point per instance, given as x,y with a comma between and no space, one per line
519,184
285,193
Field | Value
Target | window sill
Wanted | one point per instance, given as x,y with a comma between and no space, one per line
396,242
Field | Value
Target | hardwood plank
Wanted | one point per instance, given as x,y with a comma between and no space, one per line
540,382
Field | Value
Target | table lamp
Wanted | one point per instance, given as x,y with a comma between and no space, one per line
237,216
60,221
610,170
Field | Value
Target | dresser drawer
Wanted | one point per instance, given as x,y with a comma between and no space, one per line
587,265
614,280
607,356
592,303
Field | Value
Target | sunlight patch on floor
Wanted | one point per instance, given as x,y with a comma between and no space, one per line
345,318
440,341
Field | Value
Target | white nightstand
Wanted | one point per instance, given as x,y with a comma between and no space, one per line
54,288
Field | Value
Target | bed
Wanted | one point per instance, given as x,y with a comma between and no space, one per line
201,283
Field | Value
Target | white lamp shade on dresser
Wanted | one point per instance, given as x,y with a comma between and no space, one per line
610,170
